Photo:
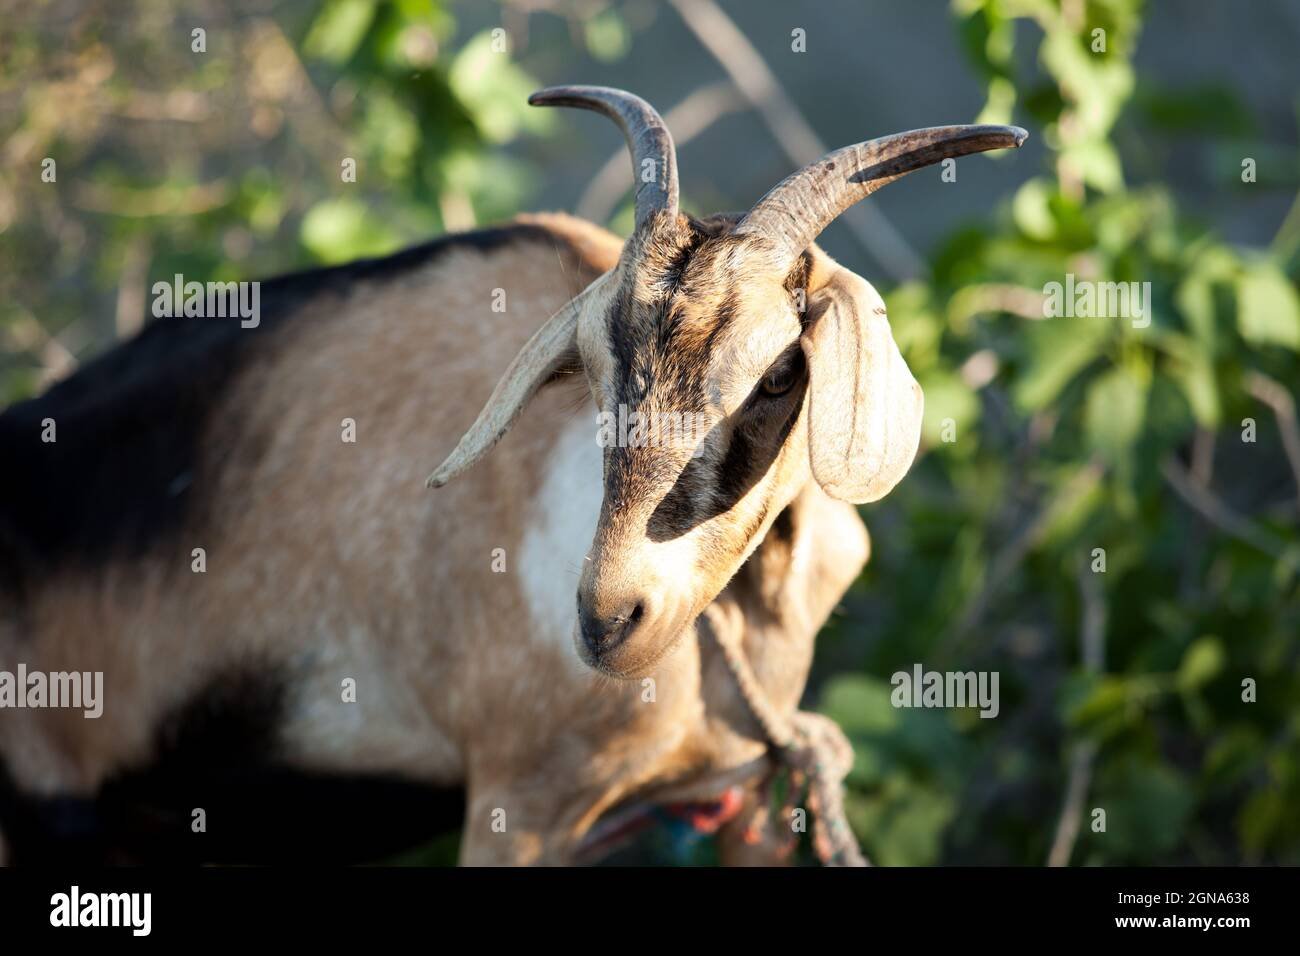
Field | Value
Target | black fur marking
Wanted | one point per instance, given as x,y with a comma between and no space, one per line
639,333
121,475
651,357
757,437
219,752
624,344
660,366
726,314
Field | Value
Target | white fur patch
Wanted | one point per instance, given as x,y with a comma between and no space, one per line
560,531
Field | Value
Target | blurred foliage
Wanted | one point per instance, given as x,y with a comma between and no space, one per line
1071,434
161,148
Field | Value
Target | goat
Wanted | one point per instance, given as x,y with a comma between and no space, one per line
524,638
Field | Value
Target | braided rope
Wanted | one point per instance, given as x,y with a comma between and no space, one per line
811,746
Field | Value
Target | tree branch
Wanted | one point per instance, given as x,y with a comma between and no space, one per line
1272,393
1092,641
1218,513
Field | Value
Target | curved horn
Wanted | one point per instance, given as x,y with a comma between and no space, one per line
536,362
799,207
647,139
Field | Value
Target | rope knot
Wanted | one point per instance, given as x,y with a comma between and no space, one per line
810,745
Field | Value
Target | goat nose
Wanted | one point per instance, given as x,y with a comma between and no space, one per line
602,633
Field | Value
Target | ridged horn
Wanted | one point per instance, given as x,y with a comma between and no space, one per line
647,139
798,208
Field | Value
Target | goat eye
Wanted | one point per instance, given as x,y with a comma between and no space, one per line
778,381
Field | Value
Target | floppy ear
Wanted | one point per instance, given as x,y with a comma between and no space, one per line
864,412
552,348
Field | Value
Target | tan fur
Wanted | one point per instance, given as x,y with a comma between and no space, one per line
707,316
334,560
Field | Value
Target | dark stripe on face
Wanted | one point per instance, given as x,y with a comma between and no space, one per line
750,454
680,380
622,325
654,370
724,317
663,354
642,332
702,493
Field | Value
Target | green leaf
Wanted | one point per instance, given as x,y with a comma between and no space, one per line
947,397
859,705
1114,412
917,330
336,230
1233,756
1097,700
494,90
1032,211
339,29
607,36
1261,817
1098,163
904,826
1201,664
1000,103
1147,808
1194,374
1268,311
1194,299
1059,349
1070,507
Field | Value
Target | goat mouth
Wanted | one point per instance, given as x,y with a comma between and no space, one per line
632,658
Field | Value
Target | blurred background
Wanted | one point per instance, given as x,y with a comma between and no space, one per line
1168,155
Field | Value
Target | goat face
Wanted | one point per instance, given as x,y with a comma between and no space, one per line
695,365
730,361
